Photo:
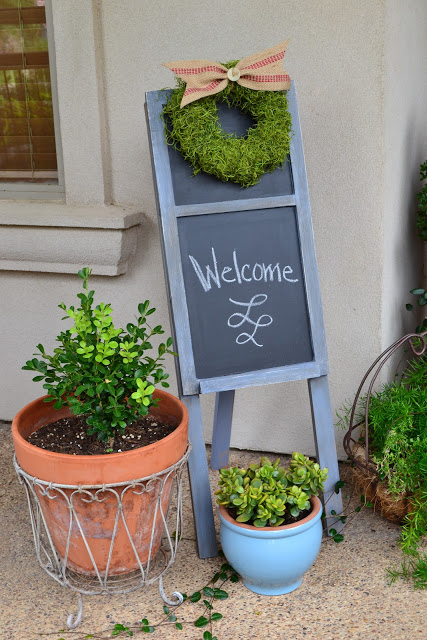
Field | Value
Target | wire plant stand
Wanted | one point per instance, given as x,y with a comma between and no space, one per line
418,345
167,515
357,438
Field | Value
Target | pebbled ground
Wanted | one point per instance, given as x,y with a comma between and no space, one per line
344,595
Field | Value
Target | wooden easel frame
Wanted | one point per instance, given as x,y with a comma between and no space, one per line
315,371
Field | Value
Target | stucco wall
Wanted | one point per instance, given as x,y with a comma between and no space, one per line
405,133
336,57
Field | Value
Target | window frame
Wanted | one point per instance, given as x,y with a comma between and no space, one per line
41,191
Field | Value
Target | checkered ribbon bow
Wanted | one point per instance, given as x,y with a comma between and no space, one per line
262,71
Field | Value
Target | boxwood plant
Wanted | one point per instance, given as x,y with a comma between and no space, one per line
267,494
100,370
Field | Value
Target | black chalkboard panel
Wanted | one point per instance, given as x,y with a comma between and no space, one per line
245,291
203,188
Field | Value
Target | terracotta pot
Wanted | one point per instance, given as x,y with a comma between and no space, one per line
97,517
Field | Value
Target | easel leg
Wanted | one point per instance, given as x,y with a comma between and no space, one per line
199,482
224,403
324,435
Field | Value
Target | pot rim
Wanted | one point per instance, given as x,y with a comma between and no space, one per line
315,513
87,457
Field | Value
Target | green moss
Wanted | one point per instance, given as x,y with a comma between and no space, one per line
195,131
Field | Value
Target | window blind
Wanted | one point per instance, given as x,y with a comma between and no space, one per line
27,136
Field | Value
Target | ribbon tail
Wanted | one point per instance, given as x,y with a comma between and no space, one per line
202,77
184,68
193,93
263,71
266,82
273,55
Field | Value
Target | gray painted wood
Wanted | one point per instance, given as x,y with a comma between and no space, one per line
236,205
324,437
199,481
168,214
264,376
224,403
170,247
308,250
189,384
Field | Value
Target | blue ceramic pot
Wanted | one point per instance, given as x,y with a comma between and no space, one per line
272,560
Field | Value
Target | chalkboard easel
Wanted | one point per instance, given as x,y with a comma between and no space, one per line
244,296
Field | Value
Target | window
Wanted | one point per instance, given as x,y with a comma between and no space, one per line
28,149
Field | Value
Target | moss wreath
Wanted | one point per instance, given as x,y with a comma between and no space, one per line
195,131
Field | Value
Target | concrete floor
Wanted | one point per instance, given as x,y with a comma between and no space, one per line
344,595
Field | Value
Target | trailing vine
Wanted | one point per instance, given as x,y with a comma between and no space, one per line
205,598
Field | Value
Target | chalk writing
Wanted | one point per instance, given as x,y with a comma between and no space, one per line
258,272
237,319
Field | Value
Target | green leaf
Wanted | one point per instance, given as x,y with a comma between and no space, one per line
208,592
178,626
417,292
165,609
332,532
207,604
234,578
338,537
201,622
220,594
144,621
409,307
147,629
216,616
207,635
196,596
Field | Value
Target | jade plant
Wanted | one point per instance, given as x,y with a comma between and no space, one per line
267,494
101,371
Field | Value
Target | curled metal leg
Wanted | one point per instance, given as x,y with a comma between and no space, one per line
74,620
176,594
162,490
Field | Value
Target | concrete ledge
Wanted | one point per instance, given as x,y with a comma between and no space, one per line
57,238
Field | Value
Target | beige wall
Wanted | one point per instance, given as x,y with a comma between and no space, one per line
340,56
405,148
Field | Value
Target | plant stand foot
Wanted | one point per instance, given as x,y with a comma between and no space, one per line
74,620
176,594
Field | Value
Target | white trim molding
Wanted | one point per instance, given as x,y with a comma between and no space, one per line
58,238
